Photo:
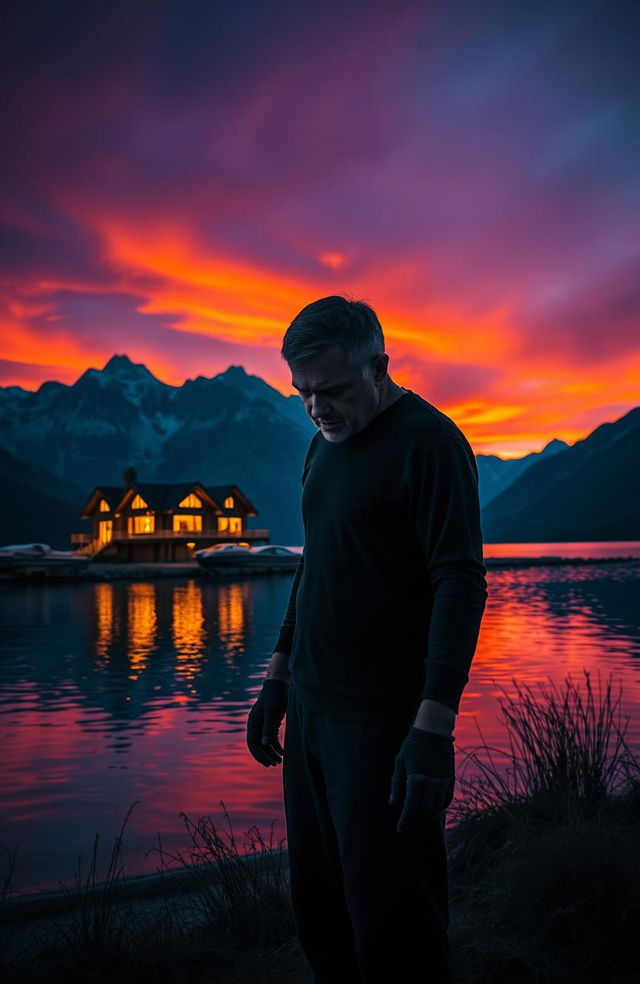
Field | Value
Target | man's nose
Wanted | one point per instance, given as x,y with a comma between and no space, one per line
318,408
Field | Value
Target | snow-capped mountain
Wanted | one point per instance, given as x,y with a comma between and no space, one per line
232,428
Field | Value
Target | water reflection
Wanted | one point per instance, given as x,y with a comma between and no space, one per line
188,628
105,616
122,691
142,624
233,605
152,614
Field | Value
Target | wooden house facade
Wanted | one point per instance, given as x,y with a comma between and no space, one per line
164,522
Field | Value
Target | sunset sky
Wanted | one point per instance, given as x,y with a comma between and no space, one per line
179,179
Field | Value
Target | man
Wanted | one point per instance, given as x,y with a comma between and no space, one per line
372,657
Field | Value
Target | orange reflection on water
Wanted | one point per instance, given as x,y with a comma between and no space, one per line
105,618
587,548
188,627
525,642
541,628
142,625
232,602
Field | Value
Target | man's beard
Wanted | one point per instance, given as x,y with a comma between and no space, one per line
336,436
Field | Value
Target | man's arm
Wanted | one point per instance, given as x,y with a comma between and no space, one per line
446,514
278,664
434,716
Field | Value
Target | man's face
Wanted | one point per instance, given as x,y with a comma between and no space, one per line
339,399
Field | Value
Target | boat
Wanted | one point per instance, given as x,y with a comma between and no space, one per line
238,555
33,559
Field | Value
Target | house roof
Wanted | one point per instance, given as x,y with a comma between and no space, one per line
163,496
112,493
220,492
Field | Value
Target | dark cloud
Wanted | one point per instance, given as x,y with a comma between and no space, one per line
470,155
588,322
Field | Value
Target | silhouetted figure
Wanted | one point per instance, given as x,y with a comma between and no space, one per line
372,657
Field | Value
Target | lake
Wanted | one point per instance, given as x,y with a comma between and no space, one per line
115,692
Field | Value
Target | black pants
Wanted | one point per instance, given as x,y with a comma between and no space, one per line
371,904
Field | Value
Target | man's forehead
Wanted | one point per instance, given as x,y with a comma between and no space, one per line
326,369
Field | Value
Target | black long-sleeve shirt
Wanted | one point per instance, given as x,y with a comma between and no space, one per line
388,597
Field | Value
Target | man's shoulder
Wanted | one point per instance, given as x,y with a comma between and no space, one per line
426,424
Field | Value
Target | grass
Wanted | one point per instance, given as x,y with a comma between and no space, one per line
545,855
544,875
227,919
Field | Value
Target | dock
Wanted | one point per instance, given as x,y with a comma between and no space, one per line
137,572
191,569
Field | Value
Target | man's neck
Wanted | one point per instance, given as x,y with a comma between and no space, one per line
389,395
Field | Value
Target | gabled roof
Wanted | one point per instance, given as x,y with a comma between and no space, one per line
164,496
111,493
220,492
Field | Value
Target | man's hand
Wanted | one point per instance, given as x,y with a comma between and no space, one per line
423,778
264,720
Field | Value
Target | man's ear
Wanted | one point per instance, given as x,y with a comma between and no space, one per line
380,363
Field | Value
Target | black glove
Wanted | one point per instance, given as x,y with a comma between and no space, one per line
423,778
263,723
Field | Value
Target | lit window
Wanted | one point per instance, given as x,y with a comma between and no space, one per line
187,524
141,524
223,524
139,503
104,506
105,530
191,502
228,502
235,524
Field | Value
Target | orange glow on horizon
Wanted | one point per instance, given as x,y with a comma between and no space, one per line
204,294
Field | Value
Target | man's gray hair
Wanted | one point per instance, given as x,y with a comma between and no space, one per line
334,320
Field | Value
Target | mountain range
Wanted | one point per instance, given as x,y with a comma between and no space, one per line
589,491
61,441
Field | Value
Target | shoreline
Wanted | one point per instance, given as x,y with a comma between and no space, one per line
154,571
24,904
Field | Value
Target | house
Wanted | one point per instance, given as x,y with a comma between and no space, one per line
164,522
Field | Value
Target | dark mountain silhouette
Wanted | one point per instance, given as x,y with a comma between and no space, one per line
37,507
495,474
587,492
61,441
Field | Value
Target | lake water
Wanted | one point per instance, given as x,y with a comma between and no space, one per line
118,692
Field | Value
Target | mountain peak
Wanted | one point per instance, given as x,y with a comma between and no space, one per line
233,373
121,365
132,378
555,444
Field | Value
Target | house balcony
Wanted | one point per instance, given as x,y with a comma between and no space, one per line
84,543
188,535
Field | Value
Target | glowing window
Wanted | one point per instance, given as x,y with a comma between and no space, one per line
187,524
105,530
223,524
228,502
235,524
139,503
104,506
191,502
141,524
